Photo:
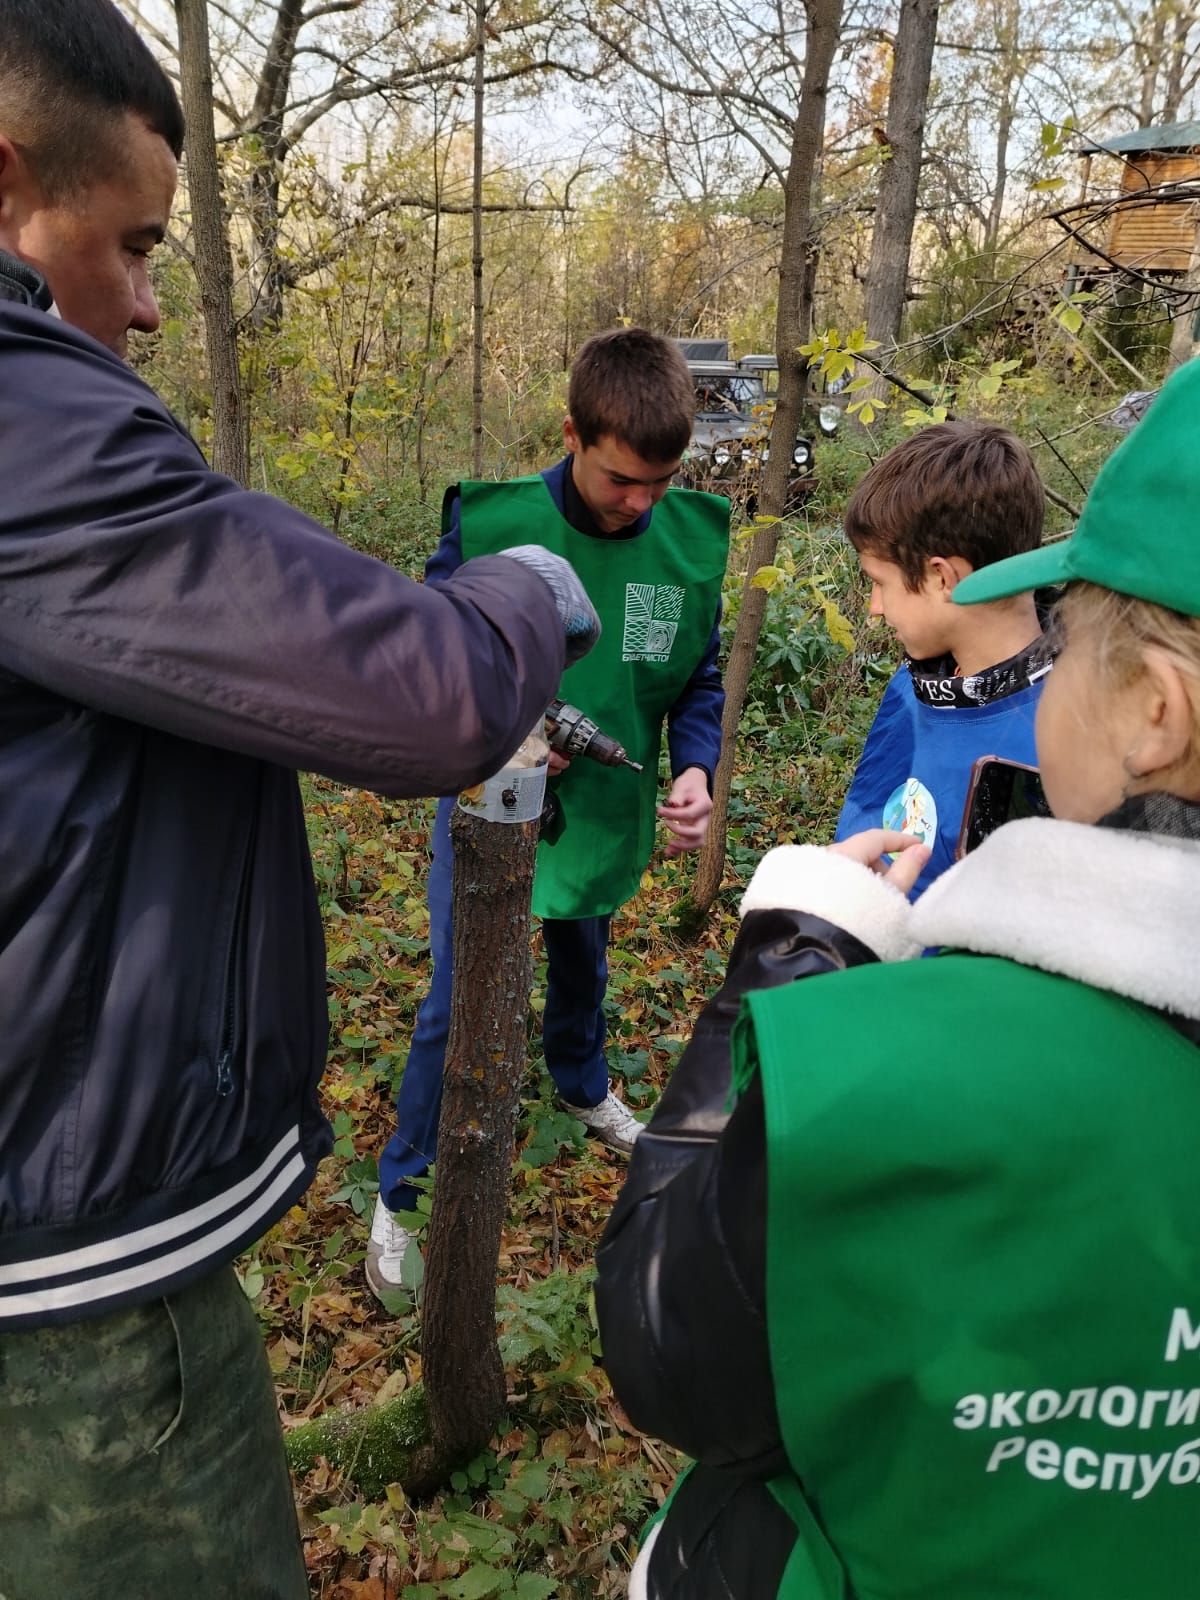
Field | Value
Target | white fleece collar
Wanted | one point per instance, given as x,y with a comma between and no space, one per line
1117,910
809,878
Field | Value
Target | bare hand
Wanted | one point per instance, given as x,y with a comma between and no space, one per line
686,811
874,844
558,763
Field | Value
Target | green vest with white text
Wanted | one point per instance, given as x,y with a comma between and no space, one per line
656,594
983,1283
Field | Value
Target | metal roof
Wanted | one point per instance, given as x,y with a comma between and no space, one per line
1168,136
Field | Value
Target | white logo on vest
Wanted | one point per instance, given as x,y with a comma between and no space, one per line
652,613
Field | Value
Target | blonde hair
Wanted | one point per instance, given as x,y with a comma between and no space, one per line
1118,628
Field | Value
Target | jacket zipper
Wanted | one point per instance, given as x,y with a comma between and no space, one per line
231,990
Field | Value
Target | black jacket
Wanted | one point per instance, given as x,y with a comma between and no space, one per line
172,649
689,1230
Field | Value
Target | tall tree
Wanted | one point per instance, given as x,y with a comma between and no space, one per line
797,273
481,11
214,264
896,206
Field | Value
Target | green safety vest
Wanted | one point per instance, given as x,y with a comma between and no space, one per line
657,596
983,1283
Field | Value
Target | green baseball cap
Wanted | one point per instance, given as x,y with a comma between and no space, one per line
1139,531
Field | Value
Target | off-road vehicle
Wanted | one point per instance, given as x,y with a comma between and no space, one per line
730,438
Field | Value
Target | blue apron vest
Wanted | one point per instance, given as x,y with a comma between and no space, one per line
916,765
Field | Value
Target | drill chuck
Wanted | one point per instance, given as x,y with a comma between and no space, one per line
572,734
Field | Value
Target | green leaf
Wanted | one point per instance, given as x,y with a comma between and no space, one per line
476,1583
533,1586
1044,185
858,340
412,1268
768,578
1071,318
989,384
865,409
510,1501
915,417
252,1280
837,625
533,1480
837,364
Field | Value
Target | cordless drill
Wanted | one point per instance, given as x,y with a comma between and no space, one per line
570,733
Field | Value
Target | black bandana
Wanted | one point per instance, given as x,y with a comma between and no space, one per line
938,684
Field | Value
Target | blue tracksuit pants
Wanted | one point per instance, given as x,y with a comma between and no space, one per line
573,1028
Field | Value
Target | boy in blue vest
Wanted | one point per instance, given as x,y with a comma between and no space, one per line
951,499
652,562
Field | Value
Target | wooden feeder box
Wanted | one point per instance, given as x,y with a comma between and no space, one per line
1154,238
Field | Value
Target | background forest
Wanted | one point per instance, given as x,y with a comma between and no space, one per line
413,215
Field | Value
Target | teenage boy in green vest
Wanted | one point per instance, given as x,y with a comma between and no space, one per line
652,559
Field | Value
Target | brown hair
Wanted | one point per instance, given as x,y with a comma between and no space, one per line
966,489
70,70
636,387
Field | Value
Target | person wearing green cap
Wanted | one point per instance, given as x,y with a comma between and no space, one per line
950,1208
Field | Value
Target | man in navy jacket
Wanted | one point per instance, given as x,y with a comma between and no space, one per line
172,649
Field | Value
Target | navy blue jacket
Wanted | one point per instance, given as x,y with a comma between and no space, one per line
694,721
172,649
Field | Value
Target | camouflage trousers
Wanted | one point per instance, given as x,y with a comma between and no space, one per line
141,1457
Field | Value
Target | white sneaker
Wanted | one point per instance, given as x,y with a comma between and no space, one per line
386,1249
611,1122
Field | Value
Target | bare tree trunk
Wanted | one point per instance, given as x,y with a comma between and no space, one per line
1176,63
435,261
1008,34
485,1056
896,207
263,215
268,146
1151,52
477,246
793,324
214,264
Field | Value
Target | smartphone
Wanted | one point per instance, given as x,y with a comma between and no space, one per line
1000,791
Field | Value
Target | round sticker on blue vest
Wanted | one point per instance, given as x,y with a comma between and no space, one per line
912,809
